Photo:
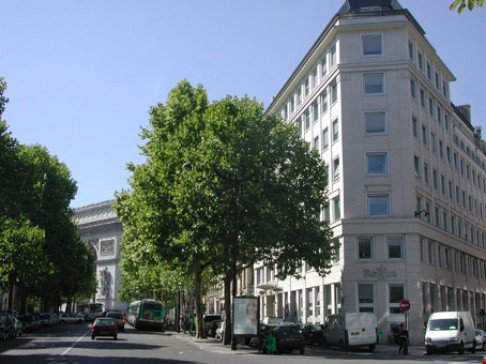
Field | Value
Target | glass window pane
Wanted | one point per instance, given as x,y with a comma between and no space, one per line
371,44
378,205
375,122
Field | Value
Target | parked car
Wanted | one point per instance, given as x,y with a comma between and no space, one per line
480,339
28,323
288,337
45,319
209,325
104,326
350,330
119,320
19,327
313,334
89,317
7,326
69,318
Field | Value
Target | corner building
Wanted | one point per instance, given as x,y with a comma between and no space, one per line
406,176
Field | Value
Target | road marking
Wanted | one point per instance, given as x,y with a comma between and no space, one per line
73,345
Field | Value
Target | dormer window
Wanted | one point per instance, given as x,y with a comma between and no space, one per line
370,9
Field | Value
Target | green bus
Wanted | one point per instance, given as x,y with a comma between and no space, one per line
146,314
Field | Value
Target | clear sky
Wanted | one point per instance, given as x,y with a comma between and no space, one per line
82,74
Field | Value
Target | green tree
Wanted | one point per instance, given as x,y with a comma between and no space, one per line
251,190
462,4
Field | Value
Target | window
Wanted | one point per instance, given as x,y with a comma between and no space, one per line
323,63
365,248
306,121
425,137
410,50
426,172
413,91
324,104
429,71
316,143
444,88
337,208
395,247
310,302
325,138
430,252
420,61
335,130
377,163
334,91
366,298
431,106
372,44
375,122
378,205
422,97
437,81
335,169
315,111
414,127
332,52
435,179
416,165
396,293
441,149
373,83
433,142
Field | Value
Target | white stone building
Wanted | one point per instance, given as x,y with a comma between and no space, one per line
99,226
407,177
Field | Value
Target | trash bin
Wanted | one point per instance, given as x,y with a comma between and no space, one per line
269,341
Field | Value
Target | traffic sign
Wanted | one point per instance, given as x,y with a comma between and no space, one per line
404,305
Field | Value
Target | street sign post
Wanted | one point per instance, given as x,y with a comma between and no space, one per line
404,305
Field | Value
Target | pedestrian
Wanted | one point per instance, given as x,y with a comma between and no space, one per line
402,337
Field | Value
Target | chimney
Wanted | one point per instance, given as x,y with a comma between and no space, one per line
465,111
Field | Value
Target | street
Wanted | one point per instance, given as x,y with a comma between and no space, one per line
72,343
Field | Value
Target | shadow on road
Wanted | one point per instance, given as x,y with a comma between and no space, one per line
39,359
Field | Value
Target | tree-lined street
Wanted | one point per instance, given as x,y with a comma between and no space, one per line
73,344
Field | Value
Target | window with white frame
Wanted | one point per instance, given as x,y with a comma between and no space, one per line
365,248
396,293
323,64
332,54
334,91
325,138
335,169
375,122
335,130
324,103
377,163
372,44
316,143
379,205
395,247
373,83
315,111
366,297
337,208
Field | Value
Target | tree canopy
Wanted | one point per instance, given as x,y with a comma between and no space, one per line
40,250
460,5
224,181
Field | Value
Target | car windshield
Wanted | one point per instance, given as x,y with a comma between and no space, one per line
115,315
442,324
104,322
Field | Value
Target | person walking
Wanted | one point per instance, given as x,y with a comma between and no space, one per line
402,339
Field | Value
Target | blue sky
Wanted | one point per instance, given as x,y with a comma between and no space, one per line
82,74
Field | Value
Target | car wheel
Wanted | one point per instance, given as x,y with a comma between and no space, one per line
115,336
461,348
372,347
92,337
473,349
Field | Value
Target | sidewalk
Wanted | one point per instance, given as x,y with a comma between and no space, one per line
215,345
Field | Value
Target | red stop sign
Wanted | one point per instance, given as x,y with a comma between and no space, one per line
404,305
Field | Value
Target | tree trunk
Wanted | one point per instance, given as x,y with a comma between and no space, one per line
197,298
227,308
11,295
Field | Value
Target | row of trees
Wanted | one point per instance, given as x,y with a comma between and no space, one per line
41,254
222,183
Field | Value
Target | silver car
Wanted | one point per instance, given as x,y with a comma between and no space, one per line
480,339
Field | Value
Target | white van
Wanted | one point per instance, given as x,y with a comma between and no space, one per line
351,329
450,331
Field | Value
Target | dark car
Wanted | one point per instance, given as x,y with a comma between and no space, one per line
119,319
104,326
209,324
7,326
89,317
313,334
288,337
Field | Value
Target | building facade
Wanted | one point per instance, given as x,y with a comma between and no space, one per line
406,176
101,229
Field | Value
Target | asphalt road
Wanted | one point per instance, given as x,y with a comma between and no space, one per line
71,343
